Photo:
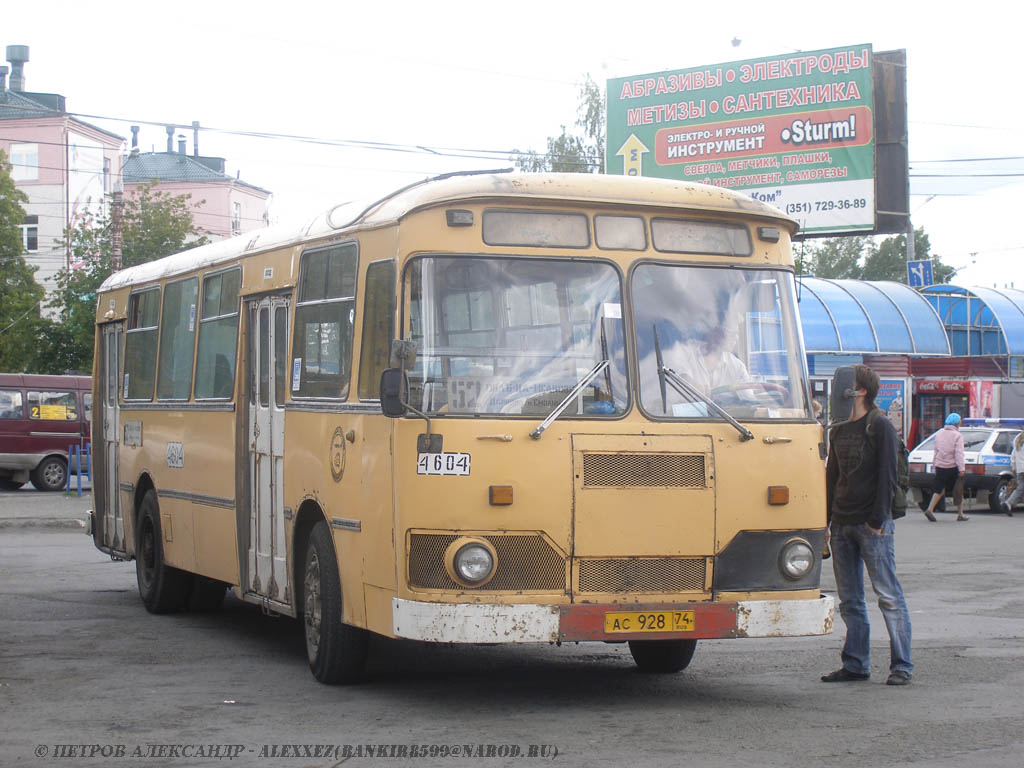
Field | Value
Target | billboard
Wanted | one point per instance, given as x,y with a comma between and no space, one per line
796,131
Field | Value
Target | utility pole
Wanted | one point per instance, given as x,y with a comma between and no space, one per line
116,211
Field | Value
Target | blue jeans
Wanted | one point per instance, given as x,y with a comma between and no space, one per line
853,547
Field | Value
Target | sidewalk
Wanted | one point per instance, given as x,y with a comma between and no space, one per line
29,508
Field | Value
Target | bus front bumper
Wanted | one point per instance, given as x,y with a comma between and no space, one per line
489,623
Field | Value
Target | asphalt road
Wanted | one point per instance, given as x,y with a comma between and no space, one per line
87,677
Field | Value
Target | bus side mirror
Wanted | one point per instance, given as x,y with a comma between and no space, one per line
844,382
394,392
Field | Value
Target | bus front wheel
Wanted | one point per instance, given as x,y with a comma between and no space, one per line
662,655
163,589
336,651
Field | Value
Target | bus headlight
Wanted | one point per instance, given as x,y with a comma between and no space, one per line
796,559
471,561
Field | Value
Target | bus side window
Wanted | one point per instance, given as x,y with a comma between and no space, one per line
324,315
378,327
140,345
218,336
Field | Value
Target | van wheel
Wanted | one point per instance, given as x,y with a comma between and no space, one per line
662,655
998,495
336,651
163,589
51,474
6,484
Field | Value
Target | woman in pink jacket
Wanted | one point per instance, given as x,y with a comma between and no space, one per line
948,462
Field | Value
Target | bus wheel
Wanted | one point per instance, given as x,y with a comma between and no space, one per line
205,595
51,474
162,588
336,651
6,484
662,655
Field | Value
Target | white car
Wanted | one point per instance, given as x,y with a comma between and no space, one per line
987,447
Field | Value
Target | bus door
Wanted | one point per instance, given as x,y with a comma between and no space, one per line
267,554
113,520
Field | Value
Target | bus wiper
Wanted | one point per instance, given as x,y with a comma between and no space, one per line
680,385
568,399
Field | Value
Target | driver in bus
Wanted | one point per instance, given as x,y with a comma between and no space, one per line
710,363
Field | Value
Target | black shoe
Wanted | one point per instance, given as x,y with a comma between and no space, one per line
1007,509
930,516
898,678
843,675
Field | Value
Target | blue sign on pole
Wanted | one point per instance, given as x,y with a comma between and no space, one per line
919,273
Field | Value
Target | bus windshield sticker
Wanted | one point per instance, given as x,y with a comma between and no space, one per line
191,318
443,464
612,311
296,373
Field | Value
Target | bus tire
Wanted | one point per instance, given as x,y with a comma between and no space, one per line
336,651
51,474
163,589
663,656
7,484
205,595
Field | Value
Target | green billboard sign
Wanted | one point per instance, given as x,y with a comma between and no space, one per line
795,131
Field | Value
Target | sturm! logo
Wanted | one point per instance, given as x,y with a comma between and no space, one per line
803,132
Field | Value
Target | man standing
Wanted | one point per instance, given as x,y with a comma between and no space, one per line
860,481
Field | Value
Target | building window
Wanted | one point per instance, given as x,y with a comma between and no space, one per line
30,234
236,218
25,162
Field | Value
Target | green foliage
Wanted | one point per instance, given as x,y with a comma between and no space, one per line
20,294
862,258
568,153
154,224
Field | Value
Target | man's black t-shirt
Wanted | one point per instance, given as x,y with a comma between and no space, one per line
860,475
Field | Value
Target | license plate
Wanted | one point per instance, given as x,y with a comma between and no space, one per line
648,621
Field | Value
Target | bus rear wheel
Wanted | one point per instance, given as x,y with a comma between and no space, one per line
336,651
163,589
664,656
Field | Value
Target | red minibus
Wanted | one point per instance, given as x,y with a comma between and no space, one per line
40,417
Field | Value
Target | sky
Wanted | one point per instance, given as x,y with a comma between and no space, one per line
445,86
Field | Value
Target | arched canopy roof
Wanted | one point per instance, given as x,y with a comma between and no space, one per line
980,321
871,318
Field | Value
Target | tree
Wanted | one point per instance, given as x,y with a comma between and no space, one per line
862,258
154,224
568,153
20,294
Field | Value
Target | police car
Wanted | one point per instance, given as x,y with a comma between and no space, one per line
987,447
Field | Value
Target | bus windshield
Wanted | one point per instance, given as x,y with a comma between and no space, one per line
723,337
514,336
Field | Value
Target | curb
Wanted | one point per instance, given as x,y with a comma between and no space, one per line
51,523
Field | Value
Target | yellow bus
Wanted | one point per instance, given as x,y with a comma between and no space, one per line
487,408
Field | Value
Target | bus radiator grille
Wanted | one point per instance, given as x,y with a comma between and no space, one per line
526,563
673,470
637,574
